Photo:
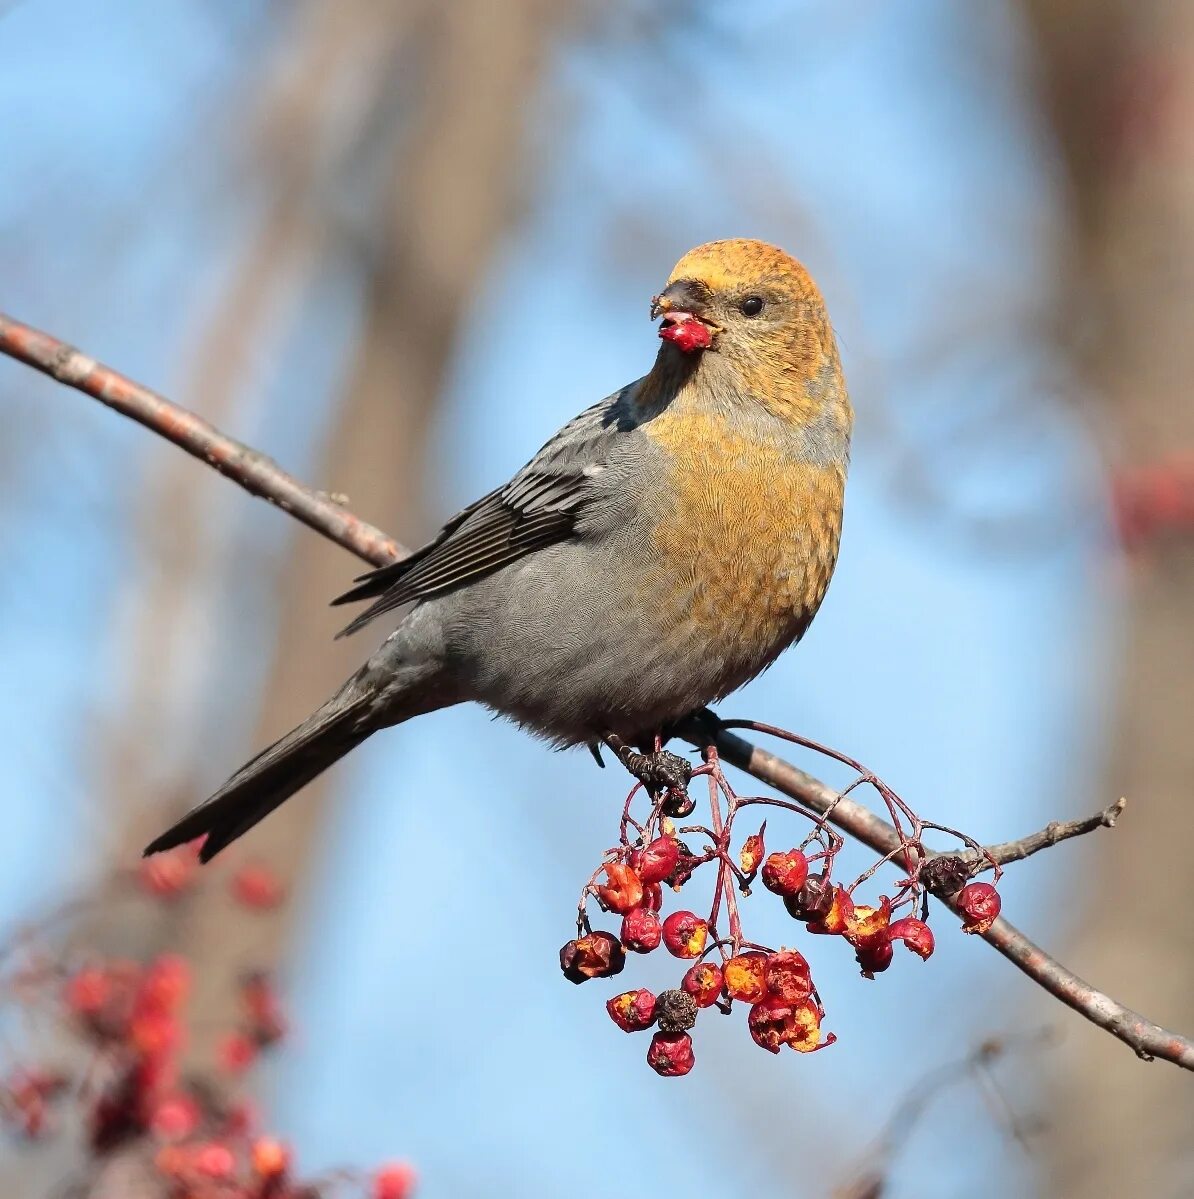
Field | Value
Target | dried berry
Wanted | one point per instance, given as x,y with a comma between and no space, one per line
745,977
670,1054
623,891
685,865
834,922
865,924
676,1011
598,955
945,874
788,976
979,905
784,873
752,852
685,934
632,1011
642,930
704,983
813,900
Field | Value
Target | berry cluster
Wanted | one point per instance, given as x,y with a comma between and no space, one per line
183,1134
775,985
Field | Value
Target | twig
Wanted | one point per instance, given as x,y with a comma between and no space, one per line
263,477
257,474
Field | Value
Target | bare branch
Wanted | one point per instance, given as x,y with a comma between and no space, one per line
264,478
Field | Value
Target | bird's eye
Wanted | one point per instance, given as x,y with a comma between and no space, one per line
751,306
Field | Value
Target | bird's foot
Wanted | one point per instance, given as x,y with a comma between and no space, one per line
662,773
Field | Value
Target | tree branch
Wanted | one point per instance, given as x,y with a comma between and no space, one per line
261,476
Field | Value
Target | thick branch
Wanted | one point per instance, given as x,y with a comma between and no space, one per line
263,477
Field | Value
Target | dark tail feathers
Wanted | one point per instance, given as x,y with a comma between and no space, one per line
271,778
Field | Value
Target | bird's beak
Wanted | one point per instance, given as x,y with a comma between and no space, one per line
683,324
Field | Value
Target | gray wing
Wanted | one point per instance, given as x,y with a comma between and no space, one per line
538,507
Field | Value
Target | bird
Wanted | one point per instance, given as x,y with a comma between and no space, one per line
661,550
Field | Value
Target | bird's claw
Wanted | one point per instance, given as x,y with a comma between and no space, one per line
664,774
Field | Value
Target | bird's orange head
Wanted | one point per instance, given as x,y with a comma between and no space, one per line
748,314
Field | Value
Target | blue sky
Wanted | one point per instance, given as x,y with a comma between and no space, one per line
895,154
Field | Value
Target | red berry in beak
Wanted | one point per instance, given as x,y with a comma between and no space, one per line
685,331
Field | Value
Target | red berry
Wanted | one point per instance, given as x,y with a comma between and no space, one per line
598,955
915,934
704,983
168,875
632,1011
685,934
271,1159
236,1053
394,1182
670,1054
214,1160
745,977
257,886
642,930
174,1118
656,861
652,897
623,891
874,956
784,873
788,976
979,905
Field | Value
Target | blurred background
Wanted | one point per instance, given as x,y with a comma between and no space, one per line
395,244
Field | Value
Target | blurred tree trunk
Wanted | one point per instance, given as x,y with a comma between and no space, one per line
1118,84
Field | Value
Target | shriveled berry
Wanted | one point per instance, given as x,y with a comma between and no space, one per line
685,934
670,1054
685,865
676,1011
745,977
704,983
632,1011
834,922
865,924
642,930
773,1023
652,897
945,874
623,891
813,900
752,852
979,905
655,861
767,1023
597,955
874,956
915,934
784,873
788,976
678,803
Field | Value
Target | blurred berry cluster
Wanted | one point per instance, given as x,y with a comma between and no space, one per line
775,985
153,1123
